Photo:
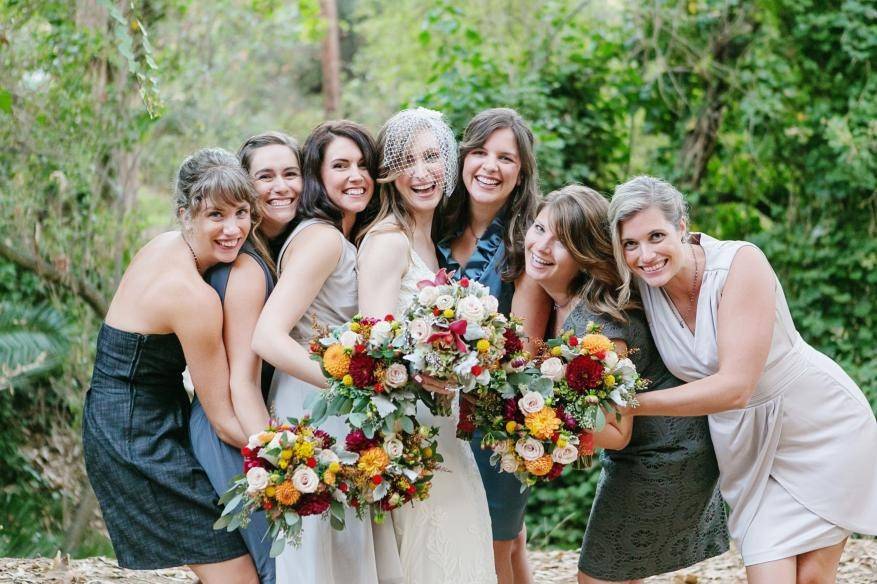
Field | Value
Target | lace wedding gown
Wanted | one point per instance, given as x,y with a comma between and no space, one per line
445,539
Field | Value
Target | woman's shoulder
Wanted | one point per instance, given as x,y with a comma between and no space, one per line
721,253
389,235
626,330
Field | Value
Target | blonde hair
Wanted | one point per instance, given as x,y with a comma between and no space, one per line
636,195
578,217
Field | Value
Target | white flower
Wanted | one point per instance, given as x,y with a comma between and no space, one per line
565,455
326,456
419,330
516,365
254,442
553,369
531,402
427,296
257,478
502,447
396,376
444,302
380,333
484,377
490,303
508,462
470,309
394,447
529,449
348,339
611,360
305,480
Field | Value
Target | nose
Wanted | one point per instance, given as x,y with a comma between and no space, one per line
279,184
356,174
232,225
490,162
418,169
647,252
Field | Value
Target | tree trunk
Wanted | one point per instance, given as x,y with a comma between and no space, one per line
331,60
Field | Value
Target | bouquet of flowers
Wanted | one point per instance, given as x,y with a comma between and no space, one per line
292,470
393,469
367,376
454,332
551,408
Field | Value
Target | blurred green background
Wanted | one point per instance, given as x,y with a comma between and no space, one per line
763,112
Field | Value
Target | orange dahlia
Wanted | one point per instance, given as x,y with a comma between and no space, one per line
593,344
336,361
287,494
539,467
543,424
373,461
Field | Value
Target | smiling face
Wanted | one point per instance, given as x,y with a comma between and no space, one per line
491,171
345,176
276,176
217,232
422,182
652,246
548,261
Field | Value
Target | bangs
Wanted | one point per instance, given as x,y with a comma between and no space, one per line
223,187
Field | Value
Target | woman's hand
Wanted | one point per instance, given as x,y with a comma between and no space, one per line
436,385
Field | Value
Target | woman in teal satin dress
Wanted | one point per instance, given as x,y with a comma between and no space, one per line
483,228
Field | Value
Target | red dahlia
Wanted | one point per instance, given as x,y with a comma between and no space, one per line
513,343
313,504
583,373
357,442
326,439
362,369
555,471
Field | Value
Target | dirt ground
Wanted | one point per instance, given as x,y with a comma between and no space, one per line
858,566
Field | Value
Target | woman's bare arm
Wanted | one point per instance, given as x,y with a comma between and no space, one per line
381,264
532,304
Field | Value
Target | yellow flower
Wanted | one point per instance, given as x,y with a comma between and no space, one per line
283,463
336,361
354,326
556,351
595,343
543,424
561,442
303,449
510,426
347,380
427,452
483,345
448,313
373,461
539,467
609,381
270,490
286,454
329,478
287,494
334,467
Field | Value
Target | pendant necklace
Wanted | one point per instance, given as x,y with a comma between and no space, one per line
691,304
194,257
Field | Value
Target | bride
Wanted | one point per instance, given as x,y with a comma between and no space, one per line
446,538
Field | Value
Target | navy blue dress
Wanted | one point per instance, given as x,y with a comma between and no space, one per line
504,497
221,461
156,500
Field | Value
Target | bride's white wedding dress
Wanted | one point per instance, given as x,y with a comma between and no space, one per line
445,539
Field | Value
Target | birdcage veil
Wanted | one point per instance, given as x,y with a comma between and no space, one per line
399,136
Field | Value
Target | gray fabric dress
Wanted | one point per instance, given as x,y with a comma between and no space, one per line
657,508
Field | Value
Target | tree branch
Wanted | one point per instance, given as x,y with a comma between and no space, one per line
34,263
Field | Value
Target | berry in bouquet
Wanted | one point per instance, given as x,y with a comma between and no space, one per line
393,468
368,381
292,470
455,333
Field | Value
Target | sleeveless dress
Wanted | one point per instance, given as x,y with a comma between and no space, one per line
657,507
326,556
156,500
797,464
222,462
446,538
505,501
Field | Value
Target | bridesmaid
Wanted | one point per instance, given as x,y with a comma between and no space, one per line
483,226
157,502
317,266
271,161
794,436
657,508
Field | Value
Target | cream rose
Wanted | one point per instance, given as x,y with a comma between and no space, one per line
348,339
380,333
326,456
419,330
396,376
531,402
427,295
553,369
508,462
444,302
305,480
470,309
394,447
257,478
490,303
529,449
565,455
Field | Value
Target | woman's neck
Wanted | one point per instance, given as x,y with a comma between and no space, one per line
482,215
347,221
271,229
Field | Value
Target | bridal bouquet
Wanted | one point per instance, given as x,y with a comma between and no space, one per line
393,469
551,408
292,470
367,376
454,332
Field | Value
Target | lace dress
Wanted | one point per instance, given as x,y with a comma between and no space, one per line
445,539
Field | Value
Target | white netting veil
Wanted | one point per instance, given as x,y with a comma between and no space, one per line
419,141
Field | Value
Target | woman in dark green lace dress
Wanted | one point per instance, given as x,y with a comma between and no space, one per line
657,507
